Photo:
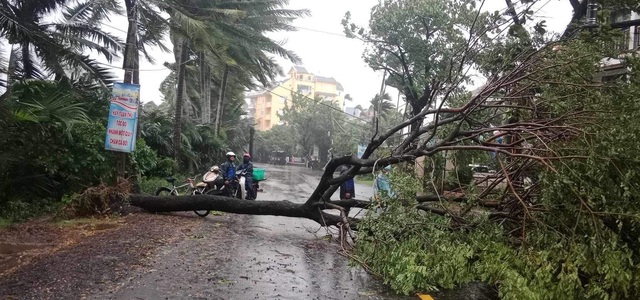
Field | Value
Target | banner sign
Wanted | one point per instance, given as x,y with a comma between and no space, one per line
361,149
123,117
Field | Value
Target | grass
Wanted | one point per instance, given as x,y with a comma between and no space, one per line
5,223
366,179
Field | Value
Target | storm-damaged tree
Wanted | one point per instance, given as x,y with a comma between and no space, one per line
568,231
446,84
417,42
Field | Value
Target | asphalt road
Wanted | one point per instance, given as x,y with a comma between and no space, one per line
254,257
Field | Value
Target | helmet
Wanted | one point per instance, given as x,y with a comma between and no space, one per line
247,155
387,168
230,153
215,169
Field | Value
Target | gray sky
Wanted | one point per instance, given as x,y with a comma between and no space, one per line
324,50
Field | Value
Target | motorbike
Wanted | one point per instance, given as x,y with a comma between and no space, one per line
255,186
212,186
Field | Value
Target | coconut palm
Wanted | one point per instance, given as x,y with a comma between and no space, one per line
382,105
40,48
231,37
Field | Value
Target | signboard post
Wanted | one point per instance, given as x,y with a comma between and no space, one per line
123,118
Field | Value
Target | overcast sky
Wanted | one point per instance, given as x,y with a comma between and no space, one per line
324,49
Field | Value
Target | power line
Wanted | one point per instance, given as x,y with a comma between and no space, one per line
324,32
320,102
141,70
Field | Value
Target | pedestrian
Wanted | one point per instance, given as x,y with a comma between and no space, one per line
347,188
382,188
247,167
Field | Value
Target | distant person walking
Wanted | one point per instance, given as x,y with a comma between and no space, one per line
382,188
347,188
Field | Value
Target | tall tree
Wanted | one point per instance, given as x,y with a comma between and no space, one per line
417,41
312,121
40,47
382,105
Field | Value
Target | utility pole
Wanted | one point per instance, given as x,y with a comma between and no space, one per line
252,131
376,109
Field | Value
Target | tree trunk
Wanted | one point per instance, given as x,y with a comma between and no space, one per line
209,103
250,207
205,87
131,67
11,71
177,126
27,64
131,62
223,91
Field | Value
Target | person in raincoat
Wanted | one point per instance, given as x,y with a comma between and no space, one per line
382,188
247,166
347,188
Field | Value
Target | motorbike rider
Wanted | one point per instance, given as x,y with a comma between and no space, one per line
228,169
247,167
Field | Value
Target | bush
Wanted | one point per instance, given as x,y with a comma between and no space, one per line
17,209
148,186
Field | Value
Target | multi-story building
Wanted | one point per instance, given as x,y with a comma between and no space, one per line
628,23
265,106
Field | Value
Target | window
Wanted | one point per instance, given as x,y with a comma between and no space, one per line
300,77
304,89
262,112
636,37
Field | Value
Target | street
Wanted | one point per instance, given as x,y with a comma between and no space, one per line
254,257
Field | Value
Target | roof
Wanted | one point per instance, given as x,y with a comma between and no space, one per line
330,80
326,79
326,94
300,69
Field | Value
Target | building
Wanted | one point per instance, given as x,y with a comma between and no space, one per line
628,23
265,105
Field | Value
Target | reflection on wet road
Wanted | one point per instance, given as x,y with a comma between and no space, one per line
255,257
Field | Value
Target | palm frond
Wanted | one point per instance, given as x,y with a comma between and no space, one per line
92,11
86,37
44,101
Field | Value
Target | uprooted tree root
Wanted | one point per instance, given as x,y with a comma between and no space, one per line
100,200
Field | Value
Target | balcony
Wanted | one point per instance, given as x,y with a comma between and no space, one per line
628,40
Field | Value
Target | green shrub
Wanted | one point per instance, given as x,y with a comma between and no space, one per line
18,209
148,186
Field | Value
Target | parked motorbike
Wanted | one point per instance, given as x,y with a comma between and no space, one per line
214,186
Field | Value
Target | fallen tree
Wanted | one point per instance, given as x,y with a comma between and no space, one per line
232,205
443,118
560,217
446,118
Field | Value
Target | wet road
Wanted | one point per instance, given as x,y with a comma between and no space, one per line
254,257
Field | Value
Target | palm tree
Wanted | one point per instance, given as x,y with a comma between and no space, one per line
248,48
382,106
230,36
40,48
